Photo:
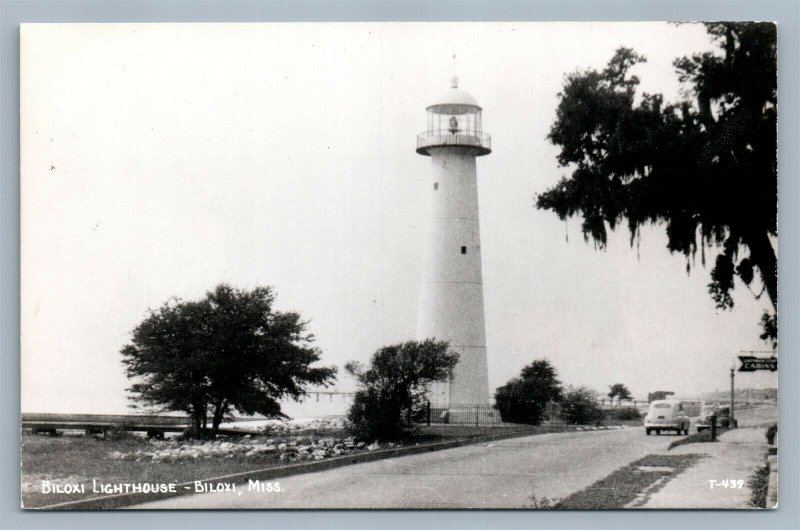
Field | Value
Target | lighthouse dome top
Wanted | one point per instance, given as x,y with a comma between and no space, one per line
454,101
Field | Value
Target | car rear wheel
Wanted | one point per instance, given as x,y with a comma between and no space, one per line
647,431
658,432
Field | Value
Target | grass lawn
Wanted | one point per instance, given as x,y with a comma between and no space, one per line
438,433
66,460
631,483
700,437
79,459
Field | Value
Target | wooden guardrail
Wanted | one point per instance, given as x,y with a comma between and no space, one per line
154,426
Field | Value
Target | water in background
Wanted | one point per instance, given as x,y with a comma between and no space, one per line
318,404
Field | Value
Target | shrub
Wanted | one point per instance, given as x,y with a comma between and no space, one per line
624,413
516,405
375,416
772,434
395,384
759,484
580,406
524,398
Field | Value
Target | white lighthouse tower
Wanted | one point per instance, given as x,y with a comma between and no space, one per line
451,301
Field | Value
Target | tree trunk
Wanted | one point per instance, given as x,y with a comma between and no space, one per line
199,419
762,253
219,413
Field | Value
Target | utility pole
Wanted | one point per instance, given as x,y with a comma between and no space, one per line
732,420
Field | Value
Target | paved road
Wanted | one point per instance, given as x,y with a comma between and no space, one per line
501,474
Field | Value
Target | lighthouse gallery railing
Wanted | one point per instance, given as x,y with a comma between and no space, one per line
437,137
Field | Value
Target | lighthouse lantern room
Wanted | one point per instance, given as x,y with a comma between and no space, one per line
454,119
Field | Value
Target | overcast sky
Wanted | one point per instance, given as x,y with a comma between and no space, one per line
160,160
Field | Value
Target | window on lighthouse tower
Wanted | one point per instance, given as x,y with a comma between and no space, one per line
463,250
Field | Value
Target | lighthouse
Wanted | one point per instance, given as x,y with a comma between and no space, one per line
451,298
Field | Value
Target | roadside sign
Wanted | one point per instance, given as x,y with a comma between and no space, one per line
751,364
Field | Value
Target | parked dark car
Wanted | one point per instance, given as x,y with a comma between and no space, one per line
704,421
724,418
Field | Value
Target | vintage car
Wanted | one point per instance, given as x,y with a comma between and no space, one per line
666,415
724,418
723,414
704,421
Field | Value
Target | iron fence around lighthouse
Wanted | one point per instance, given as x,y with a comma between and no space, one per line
462,414
479,414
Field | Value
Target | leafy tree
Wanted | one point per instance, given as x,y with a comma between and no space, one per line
524,398
706,167
580,405
230,351
619,391
395,383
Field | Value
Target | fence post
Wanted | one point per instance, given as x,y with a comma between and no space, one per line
713,421
477,408
428,412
